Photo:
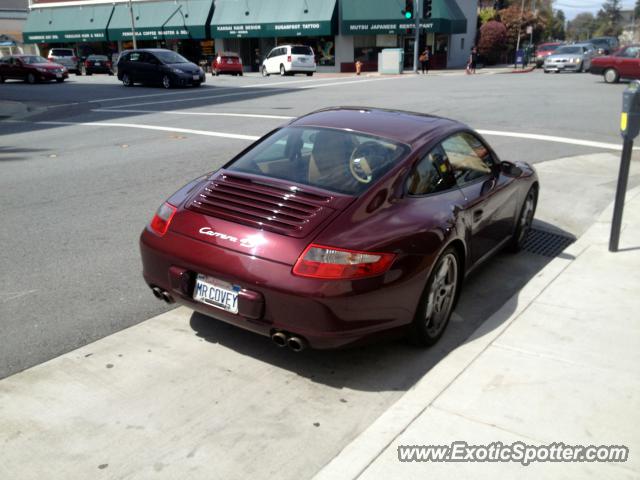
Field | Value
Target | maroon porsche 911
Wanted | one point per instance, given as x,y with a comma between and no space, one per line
344,225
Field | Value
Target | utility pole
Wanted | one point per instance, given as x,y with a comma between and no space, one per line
520,26
417,12
133,26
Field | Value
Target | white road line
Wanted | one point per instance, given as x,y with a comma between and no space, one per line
207,133
178,112
551,138
243,93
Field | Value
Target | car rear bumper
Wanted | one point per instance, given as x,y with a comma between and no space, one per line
228,69
297,67
327,314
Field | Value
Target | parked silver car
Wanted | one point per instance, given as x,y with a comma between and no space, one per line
570,58
66,57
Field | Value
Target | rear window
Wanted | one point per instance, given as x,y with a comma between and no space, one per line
61,52
336,160
98,57
301,51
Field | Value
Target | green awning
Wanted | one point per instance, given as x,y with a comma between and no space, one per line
273,18
370,17
87,23
161,20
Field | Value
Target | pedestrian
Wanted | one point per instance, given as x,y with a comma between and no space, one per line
473,61
257,60
424,58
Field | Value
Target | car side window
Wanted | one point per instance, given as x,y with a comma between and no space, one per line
631,52
151,59
135,57
430,175
468,156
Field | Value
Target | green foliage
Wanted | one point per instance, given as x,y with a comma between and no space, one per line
492,40
582,27
609,18
487,14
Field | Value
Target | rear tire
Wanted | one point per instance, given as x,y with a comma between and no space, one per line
241,74
611,75
283,72
126,80
31,78
310,74
59,80
1,79
525,220
78,73
264,72
437,300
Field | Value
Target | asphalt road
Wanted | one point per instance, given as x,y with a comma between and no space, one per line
75,197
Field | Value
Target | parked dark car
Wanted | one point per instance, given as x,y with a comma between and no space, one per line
158,66
31,69
343,225
604,45
97,64
625,63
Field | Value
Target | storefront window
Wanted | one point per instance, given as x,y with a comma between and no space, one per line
323,47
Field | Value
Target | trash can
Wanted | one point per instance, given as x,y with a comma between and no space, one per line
391,61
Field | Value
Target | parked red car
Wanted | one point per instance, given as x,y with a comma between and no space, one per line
31,68
624,63
227,62
344,225
544,50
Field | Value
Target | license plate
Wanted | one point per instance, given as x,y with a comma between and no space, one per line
303,60
98,64
216,293
196,77
59,75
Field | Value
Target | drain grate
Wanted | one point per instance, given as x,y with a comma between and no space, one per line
548,244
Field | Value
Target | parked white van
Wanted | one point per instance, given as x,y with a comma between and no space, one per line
288,60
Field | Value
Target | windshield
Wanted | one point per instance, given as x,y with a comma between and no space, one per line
570,50
301,51
170,57
336,160
30,59
548,48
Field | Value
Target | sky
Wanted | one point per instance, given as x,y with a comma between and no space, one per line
571,8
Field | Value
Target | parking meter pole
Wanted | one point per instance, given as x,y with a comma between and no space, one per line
621,192
629,129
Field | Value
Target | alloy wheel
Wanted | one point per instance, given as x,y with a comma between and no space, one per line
441,295
166,81
264,72
31,78
526,217
126,80
283,72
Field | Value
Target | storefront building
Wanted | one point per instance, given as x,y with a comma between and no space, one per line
341,32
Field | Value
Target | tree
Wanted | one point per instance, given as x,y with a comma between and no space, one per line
582,27
609,18
492,40
515,20
637,9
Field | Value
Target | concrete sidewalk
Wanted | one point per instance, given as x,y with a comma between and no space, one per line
560,362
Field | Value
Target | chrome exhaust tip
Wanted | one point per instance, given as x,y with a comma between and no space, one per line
280,339
166,297
296,344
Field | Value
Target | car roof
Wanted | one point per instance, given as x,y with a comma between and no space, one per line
401,126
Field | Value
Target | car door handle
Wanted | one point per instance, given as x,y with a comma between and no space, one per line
477,215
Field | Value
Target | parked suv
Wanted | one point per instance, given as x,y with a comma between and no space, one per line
158,66
288,60
66,57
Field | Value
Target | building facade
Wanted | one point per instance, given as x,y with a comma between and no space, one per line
13,16
341,32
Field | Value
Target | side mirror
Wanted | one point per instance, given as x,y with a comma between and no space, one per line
510,169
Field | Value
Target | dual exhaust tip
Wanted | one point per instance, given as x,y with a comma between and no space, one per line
283,339
162,294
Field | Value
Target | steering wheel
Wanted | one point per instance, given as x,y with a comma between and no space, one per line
366,159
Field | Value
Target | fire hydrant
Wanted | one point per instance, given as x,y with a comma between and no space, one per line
358,67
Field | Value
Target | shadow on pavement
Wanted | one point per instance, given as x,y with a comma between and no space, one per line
8,154
391,365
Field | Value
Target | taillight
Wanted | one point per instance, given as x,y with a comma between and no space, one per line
289,58
319,261
87,63
162,218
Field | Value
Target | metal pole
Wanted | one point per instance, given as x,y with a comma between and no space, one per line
519,27
133,26
416,12
621,192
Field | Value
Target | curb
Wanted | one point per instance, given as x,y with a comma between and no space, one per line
357,456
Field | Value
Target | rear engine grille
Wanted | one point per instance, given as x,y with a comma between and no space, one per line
289,211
